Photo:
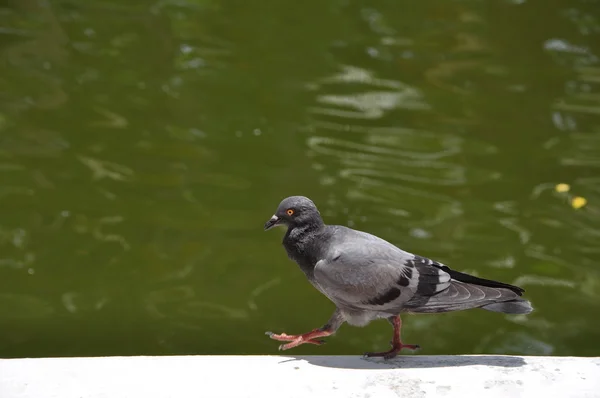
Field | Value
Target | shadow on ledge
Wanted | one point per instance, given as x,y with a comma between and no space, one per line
411,361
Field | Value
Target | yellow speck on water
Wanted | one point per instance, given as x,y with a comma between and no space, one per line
578,202
562,187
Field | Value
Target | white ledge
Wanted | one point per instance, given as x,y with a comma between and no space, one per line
301,376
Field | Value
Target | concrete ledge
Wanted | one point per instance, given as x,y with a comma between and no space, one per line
302,376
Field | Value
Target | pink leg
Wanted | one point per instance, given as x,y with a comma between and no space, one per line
296,340
397,344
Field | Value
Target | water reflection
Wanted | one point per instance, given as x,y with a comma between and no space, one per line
23,307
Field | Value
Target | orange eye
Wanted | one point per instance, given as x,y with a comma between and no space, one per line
290,212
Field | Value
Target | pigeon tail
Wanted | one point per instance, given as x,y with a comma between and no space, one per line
517,306
464,296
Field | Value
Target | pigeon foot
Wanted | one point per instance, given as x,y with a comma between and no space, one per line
298,339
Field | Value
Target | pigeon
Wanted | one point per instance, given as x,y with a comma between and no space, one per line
368,278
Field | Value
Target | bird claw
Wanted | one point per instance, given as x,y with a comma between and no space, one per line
281,337
299,341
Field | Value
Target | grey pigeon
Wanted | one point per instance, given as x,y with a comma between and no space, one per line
368,278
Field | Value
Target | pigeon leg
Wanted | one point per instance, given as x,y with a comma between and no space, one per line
397,344
334,323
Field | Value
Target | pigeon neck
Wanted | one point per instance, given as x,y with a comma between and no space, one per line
300,243
304,231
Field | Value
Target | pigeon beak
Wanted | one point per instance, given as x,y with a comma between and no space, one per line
271,223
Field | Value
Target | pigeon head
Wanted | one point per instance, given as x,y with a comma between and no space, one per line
295,211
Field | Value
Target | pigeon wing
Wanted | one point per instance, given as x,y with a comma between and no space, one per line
372,274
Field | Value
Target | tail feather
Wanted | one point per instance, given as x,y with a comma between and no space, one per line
518,306
462,277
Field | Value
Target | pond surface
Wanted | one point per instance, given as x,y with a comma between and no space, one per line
143,145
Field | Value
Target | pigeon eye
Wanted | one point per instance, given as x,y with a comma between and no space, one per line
290,212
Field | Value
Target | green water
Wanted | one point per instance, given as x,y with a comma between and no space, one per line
143,144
